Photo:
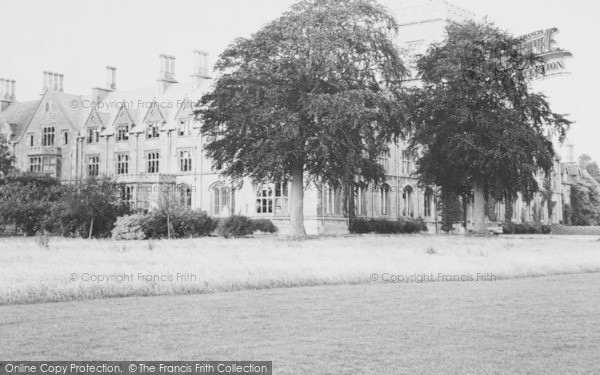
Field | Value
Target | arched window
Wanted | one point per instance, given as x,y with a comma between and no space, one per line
427,202
272,199
407,201
185,195
384,200
361,200
221,200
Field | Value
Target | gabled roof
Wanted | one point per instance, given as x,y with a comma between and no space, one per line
18,116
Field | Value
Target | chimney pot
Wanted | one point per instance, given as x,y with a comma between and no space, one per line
7,90
13,94
2,88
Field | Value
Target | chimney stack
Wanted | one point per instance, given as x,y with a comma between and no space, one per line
571,153
53,81
111,78
201,70
167,72
7,93
13,94
167,68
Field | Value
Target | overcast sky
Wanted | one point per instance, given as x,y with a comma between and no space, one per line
79,38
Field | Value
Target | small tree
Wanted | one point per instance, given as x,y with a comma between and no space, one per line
314,93
26,200
7,159
89,208
477,121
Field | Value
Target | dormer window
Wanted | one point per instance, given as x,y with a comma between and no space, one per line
184,127
122,132
93,135
152,131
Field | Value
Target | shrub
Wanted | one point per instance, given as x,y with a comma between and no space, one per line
130,227
508,228
361,226
264,225
235,226
546,229
385,227
186,223
422,225
410,227
190,223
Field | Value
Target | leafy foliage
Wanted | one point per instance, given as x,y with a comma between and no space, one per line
314,92
476,119
363,226
264,225
6,158
184,224
88,208
235,227
26,200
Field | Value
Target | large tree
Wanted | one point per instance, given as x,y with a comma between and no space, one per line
477,121
312,96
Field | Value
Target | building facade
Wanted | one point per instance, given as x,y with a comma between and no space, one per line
149,140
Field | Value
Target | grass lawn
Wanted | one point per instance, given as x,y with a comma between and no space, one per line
81,270
544,325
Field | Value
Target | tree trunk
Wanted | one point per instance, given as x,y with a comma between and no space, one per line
479,208
169,226
508,210
297,203
351,205
91,229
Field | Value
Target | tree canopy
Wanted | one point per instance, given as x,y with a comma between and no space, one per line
476,120
314,93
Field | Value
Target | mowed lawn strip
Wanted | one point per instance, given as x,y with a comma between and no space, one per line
81,270
545,325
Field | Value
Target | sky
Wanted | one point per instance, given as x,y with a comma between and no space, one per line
80,38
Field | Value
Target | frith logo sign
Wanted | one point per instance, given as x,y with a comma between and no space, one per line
543,44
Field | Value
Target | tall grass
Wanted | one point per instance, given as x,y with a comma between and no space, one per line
31,273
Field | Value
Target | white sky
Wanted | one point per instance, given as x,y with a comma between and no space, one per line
79,38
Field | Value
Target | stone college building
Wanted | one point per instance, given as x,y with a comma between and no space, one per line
149,140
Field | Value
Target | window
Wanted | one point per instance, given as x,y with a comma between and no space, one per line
48,136
427,202
93,135
272,199
65,138
93,166
153,161
405,162
185,160
407,198
152,130
384,160
122,132
127,195
221,200
35,164
31,140
185,195
184,128
331,201
122,164
384,200
361,200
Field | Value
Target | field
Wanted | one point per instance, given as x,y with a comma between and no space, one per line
543,325
67,270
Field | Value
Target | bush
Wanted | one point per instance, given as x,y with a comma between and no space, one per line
264,225
190,223
130,227
235,226
184,224
362,226
525,228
